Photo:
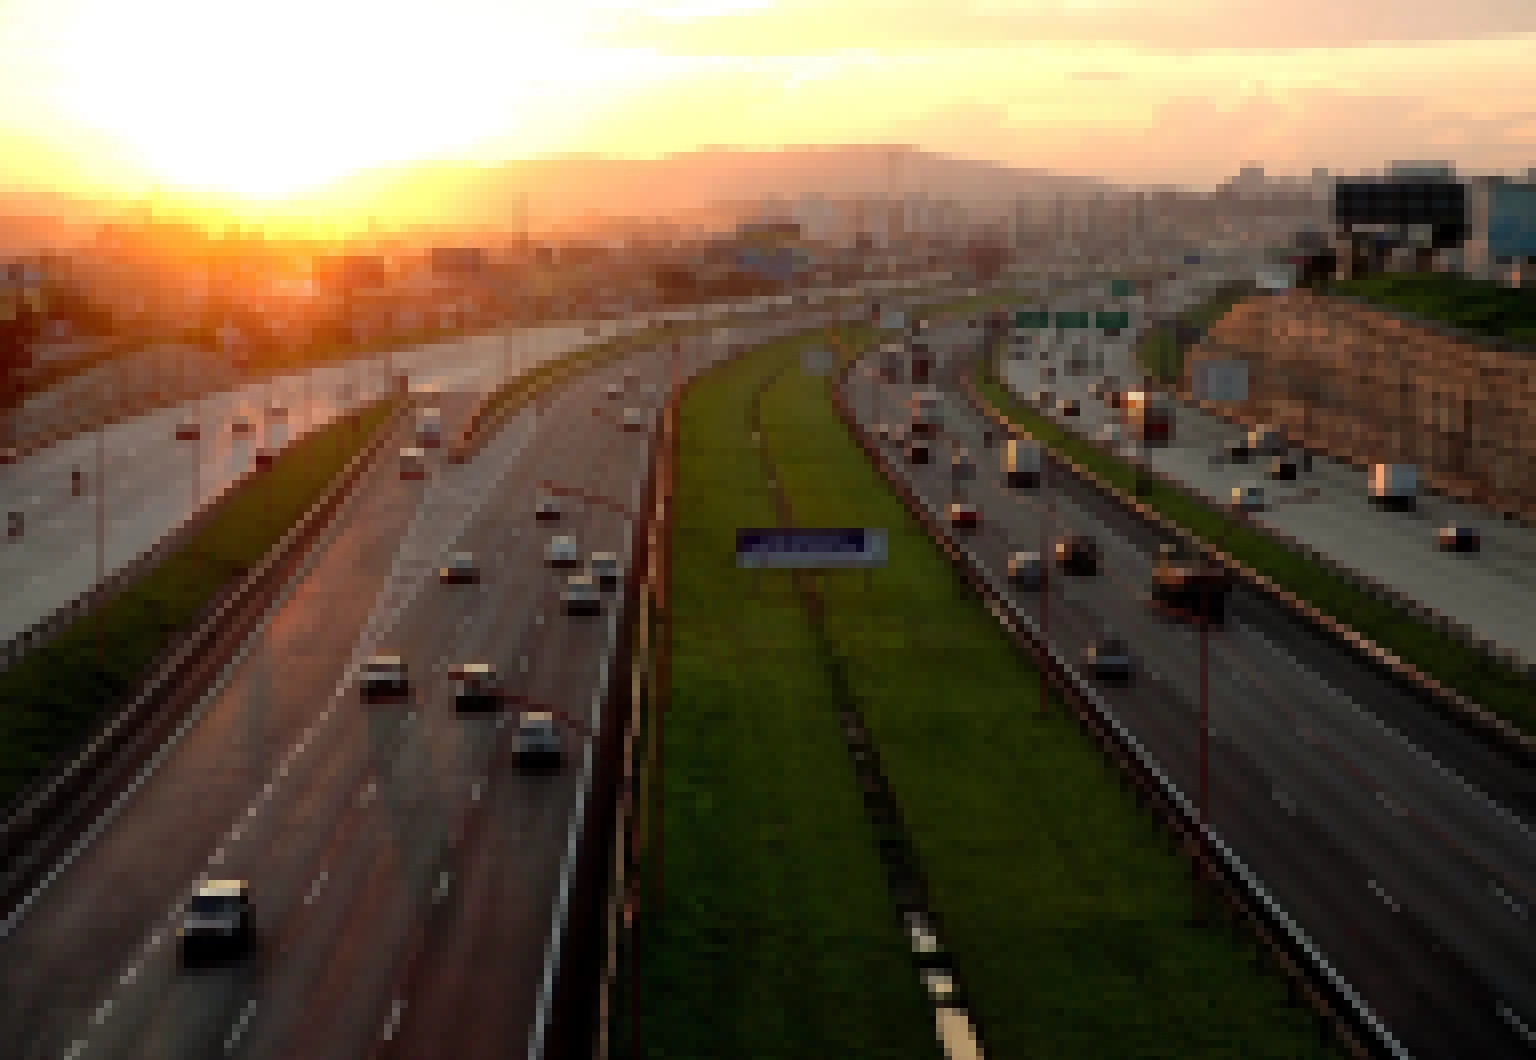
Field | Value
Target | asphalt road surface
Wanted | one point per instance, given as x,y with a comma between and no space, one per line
341,814
1415,884
153,481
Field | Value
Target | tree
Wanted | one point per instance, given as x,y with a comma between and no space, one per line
20,327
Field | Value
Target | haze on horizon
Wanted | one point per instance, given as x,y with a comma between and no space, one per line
261,104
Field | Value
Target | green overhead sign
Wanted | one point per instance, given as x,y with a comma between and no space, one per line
1072,320
1031,319
1121,288
1120,320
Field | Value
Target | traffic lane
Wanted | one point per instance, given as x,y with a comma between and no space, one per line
1410,883
1158,709
421,822
1469,758
85,923
1460,750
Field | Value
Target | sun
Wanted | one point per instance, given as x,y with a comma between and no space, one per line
266,101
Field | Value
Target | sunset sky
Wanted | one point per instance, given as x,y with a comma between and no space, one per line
265,99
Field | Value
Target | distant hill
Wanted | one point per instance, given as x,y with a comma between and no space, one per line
560,190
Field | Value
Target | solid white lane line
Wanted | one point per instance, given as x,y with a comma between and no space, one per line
1381,893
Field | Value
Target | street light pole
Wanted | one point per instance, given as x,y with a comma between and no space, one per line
1045,579
1205,729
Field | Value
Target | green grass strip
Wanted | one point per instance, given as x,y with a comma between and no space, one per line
1465,669
776,937
1480,306
52,699
1066,910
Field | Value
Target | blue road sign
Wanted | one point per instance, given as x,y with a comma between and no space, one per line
803,549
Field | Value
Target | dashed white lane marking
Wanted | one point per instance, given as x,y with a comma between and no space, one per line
368,793
315,888
238,1030
1393,807
1381,893
1517,1024
476,791
1514,904
75,1049
443,883
396,1009
103,1010
1287,803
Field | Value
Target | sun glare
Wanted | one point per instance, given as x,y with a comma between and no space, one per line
266,101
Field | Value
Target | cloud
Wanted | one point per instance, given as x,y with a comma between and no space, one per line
796,28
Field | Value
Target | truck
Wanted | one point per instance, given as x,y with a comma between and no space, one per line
1189,589
1022,462
1394,485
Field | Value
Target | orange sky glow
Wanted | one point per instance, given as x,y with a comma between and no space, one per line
258,102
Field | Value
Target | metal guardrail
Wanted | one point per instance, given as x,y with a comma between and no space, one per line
44,818
1321,985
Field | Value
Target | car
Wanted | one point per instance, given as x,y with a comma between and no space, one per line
1114,398
604,567
240,425
634,419
475,685
631,376
383,676
1237,451
562,552
277,412
547,509
217,922
919,452
188,431
964,516
613,391
538,739
1111,433
1248,496
265,458
1026,570
1096,390
1108,657
1077,554
460,568
961,465
1457,538
1069,407
581,595
1281,469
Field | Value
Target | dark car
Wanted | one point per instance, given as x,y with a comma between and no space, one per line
1237,452
217,922
1109,658
919,453
1455,538
1282,469
1077,554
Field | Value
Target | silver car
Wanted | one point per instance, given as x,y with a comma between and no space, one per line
604,567
562,552
538,739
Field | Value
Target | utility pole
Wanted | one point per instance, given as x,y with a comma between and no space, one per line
101,532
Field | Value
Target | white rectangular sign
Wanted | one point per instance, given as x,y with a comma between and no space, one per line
1221,381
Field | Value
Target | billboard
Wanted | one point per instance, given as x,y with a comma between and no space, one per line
1031,319
1439,203
1112,321
800,549
1121,288
1512,221
1072,320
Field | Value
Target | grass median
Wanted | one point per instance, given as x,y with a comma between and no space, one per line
51,700
1065,908
1471,672
775,937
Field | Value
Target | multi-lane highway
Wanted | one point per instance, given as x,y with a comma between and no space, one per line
153,481
359,826
1357,809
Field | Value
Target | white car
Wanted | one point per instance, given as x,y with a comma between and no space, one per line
538,739
613,391
604,566
562,552
460,568
634,419
1248,496
581,595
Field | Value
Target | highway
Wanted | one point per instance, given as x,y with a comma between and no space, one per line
153,481
340,814
1415,884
